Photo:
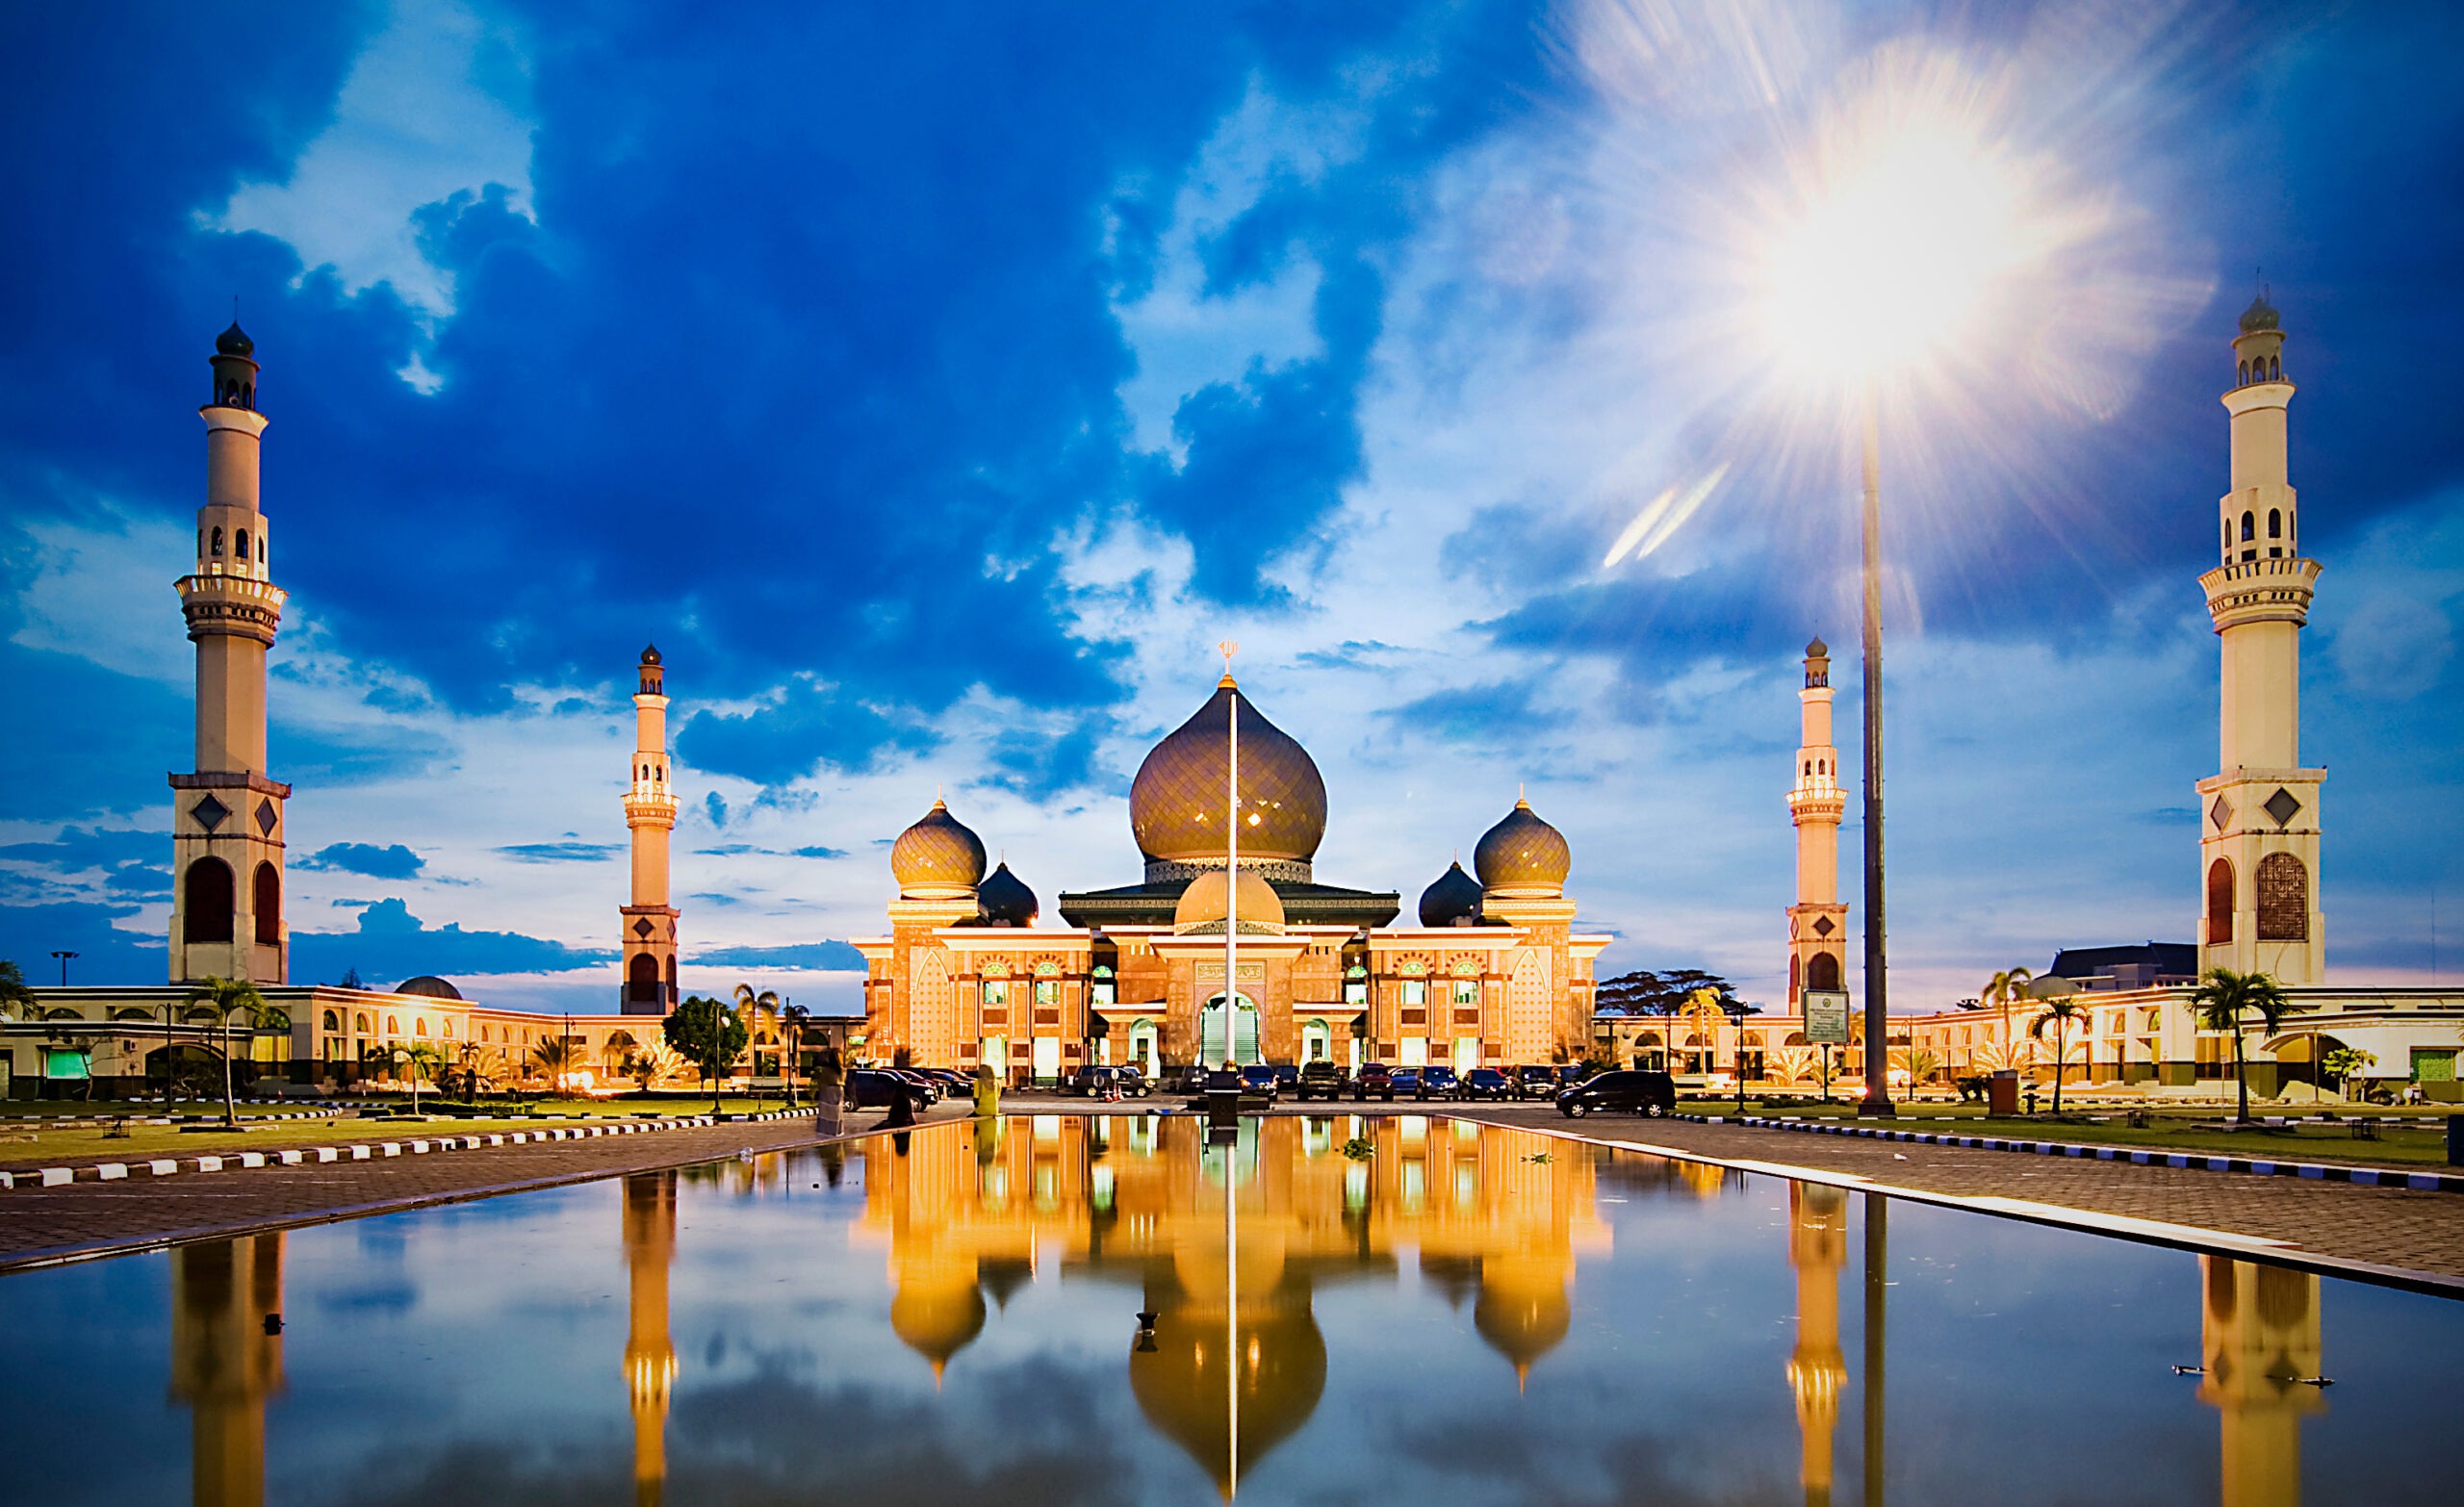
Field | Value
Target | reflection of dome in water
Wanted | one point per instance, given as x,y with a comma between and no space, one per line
1202,905
1005,1275
937,1320
1177,802
1455,1277
937,858
1456,897
1522,856
1523,1311
1181,1388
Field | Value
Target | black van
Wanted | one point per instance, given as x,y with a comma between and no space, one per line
1636,1092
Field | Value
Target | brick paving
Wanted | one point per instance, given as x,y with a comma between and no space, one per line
42,1225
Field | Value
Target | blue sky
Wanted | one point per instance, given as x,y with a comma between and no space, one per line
936,385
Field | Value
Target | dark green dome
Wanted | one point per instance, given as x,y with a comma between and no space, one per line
1454,897
1004,899
2260,316
234,342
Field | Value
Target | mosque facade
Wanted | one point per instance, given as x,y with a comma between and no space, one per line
1493,974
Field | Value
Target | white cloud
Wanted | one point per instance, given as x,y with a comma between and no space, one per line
433,107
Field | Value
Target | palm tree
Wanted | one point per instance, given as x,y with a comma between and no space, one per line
226,998
554,1057
2224,998
1999,991
2062,1013
791,1027
1919,1064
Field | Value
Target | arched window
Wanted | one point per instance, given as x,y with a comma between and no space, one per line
2284,898
2275,369
1808,770
2219,902
671,975
260,548
641,981
2275,522
392,1025
218,545
206,915
2242,375
2250,531
419,1027
268,906
359,1023
2228,538
1822,971
1796,967
333,1020
240,542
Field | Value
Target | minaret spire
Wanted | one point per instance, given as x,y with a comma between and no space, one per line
1818,922
649,811
2259,816
227,826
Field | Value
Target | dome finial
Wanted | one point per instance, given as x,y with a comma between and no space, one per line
1227,648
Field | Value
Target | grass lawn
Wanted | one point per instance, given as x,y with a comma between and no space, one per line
2420,1143
26,1140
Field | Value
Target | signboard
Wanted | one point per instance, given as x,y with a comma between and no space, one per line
1826,1016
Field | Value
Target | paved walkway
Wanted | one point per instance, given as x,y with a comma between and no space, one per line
39,1226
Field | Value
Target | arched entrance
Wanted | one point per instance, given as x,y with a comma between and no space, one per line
1142,1045
1228,1033
1317,1040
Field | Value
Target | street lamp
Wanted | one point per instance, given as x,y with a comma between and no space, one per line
64,957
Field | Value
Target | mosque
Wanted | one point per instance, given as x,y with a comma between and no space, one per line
1494,974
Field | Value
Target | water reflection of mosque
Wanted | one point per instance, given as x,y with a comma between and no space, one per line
1495,1218
1137,1200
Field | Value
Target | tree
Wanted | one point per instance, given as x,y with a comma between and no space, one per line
651,1063
226,998
350,978
554,1057
791,1027
2344,1064
2063,1013
707,1034
1644,993
1919,1064
2224,998
1998,994
14,993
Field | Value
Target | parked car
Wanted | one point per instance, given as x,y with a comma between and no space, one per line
1186,1080
1134,1082
1286,1077
950,1079
873,1088
1403,1080
1259,1077
929,1091
1485,1083
1437,1082
1373,1079
1535,1082
1089,1081
1636,1092
1319,1080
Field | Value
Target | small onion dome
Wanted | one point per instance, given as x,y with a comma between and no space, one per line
426,983
1004,899
2260,316
1817,650
649,654
937,858
1523,857
234,342
938,1313
1202,905
1452,901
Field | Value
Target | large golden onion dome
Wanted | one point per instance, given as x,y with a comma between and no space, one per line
1201,907
1523,857
937,858
1177,802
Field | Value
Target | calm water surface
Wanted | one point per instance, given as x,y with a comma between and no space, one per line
1436,1313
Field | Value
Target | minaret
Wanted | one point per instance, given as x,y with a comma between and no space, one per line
227,1361
1818,922
650,1356
227,818
650,810
2259,815
2260,1350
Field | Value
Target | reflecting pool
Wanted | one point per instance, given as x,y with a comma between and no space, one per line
1047,1310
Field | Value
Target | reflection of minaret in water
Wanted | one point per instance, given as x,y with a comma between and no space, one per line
225,1363
649,1358
1817,1248
2259,1334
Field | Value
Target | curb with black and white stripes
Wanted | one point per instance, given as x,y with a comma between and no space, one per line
371,1150
2136,1156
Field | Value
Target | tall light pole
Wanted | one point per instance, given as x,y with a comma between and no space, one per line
1877,1100
64,967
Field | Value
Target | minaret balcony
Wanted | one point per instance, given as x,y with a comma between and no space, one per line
656,808
2260,591
1817,798
232,605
